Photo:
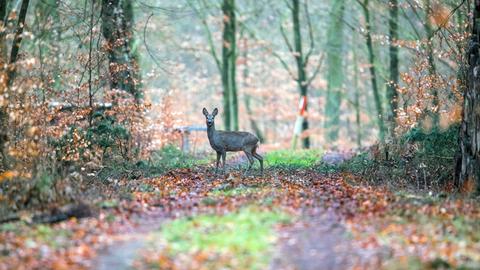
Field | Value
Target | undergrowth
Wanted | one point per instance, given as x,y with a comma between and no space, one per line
419,160
167,158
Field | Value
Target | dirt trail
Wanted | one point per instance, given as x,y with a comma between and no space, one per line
129,244
321,242
317,241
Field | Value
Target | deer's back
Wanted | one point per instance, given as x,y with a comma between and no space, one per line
235,140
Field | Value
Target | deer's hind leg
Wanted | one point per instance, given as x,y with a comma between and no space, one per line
250,159
224,156
260,158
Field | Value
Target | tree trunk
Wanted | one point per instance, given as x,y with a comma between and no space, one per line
10,77
118,32
467,171
335,70
300,61
3,85
432,69
392,94
356,101
229,59
373,75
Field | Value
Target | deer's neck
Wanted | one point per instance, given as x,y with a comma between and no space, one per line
211,132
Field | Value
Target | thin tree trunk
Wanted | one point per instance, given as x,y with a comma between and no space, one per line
300,61
373,75
90,67
356,101
233,72
10,77
227,69
432,69
229,66
3,85
335,70
12,71
392,94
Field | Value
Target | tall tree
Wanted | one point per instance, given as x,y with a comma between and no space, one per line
356,100
432,69
334,69
392,94
467,171
10,72
302,63
117,28
227,64
373,71
229,59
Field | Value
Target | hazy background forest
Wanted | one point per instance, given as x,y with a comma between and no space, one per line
101,111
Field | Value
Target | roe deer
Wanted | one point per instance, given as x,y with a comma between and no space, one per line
231,141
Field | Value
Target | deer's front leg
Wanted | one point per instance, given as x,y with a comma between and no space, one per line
224,156
218,161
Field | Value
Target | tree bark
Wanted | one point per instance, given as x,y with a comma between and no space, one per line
356,101
373,75
300,61
117,30
10,77
467,171
229,56
432,69
392,94
335,70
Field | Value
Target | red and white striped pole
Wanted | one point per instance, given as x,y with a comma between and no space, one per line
297,131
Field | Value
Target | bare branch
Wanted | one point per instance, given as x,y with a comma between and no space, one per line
148,48
288,4
285,65
316,71
287,42
209,36
310,35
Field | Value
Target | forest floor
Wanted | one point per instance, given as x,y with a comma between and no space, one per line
290,218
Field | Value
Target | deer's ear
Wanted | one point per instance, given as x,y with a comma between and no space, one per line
205,112
215,111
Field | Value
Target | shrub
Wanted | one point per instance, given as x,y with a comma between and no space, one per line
422,160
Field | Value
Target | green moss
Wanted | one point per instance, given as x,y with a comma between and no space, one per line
245,235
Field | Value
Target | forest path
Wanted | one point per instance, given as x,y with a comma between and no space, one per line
318,204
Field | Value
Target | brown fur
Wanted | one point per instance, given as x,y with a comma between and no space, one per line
231,141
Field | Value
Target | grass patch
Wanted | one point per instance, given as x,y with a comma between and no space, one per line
293,159
239,240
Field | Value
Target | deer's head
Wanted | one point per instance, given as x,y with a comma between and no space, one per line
210,117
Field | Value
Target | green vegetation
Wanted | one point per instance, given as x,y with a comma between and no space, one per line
420,159
244,236
170,157
293,159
